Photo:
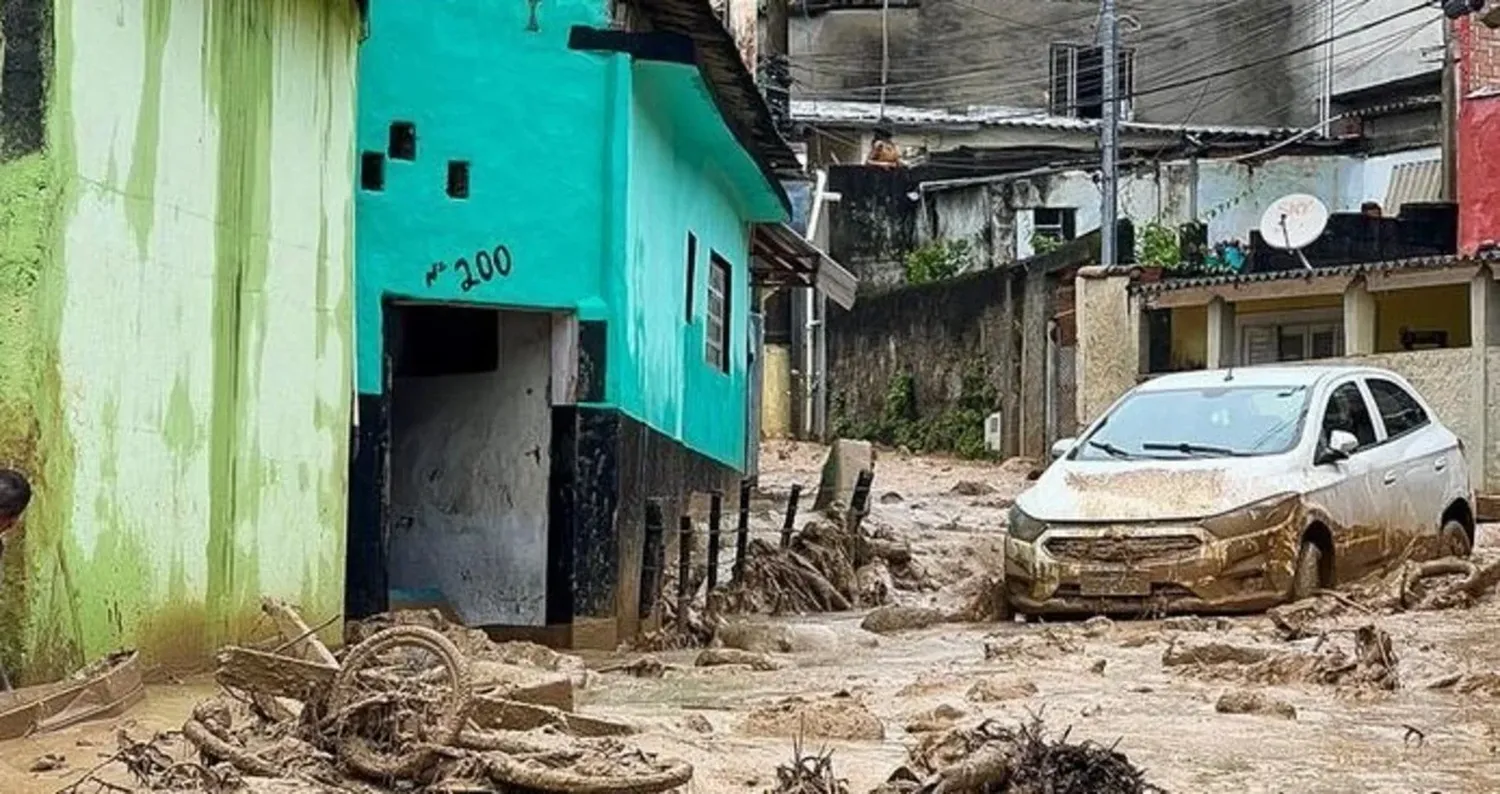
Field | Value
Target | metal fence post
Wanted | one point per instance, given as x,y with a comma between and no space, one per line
742,532
652,558
791,515
860,501
684,568
715,514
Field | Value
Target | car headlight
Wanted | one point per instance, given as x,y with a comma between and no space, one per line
1254,517
1024,527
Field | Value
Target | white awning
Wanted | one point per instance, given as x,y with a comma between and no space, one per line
779,256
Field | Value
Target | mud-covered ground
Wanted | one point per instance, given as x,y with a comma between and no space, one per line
1107,682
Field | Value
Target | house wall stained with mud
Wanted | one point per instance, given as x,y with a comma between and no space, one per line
175,267
469,479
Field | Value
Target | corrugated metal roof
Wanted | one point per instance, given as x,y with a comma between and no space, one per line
1404,105
1414,263
840,112
1414,182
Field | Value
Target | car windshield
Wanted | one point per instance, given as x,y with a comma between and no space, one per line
1199,423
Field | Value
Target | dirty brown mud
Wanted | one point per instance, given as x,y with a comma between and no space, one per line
398,712
1436,731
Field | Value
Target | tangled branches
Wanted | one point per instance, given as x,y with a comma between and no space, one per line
990,758
808,774
154,768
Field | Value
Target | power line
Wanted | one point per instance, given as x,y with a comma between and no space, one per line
1271,58
1247,43
1083,158
991,89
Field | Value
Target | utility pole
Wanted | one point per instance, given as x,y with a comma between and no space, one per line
1325,102
1449,123
1109,31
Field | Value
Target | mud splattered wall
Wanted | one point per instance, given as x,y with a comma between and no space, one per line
469,464
175,273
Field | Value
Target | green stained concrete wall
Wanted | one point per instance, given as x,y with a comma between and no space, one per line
589,168
175,298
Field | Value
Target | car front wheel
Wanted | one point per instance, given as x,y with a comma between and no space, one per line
1307,577
1453,540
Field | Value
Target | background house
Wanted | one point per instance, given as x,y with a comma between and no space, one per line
561,222
176,273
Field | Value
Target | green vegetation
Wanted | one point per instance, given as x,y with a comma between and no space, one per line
1158,246
959,429
937,260
1044,243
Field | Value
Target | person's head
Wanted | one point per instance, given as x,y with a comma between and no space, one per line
15,495
1370,209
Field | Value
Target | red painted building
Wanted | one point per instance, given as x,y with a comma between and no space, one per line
1478,163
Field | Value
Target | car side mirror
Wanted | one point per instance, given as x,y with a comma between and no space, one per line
1061,446
1340,445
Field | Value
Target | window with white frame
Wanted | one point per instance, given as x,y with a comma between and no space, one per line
716,329
1291,338
1077,80
1055,223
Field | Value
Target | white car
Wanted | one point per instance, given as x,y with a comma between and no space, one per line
1234,490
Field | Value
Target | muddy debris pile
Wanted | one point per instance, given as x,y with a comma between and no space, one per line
831,565
991,758
1361,659
405,708
1447,583
1052,642
828,566
841,716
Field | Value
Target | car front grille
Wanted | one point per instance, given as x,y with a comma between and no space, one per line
1122,550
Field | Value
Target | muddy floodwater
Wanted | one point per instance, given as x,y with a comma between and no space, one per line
866,697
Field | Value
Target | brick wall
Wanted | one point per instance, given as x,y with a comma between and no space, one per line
1480,58
1478,135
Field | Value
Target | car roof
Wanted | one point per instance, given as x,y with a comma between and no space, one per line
1254,376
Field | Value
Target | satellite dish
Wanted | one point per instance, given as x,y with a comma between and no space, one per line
1292,222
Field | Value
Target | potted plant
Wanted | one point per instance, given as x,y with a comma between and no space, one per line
1157,249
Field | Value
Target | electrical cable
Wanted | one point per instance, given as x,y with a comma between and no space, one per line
1245,41
1254,63
1392,40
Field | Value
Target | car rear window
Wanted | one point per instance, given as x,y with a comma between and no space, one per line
1401,411
1196,423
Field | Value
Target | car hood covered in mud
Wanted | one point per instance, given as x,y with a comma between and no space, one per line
1094,491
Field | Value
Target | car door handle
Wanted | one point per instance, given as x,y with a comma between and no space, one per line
1440,464
1390,478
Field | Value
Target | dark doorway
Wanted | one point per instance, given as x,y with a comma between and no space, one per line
467,412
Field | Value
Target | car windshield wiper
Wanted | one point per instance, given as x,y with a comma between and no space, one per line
1110,449
1187,448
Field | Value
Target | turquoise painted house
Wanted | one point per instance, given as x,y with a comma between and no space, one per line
563,209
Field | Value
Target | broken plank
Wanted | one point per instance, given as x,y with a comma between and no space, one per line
493,713
272,674
304,642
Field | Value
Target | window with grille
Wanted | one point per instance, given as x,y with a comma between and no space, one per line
1077,72
716,329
